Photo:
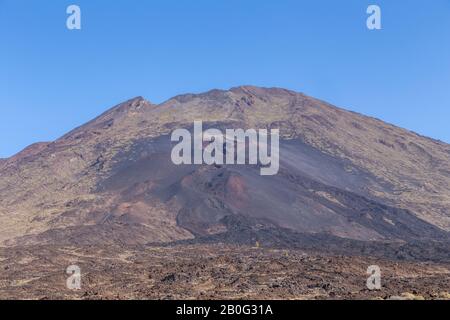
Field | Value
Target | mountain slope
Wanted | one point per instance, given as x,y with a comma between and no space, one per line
341,174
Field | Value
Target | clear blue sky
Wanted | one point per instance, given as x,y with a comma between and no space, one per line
53,79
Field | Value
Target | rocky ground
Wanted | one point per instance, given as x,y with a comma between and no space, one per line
211,272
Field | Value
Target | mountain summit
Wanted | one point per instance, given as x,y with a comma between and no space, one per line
343,178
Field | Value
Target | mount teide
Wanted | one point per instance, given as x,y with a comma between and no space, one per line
345,180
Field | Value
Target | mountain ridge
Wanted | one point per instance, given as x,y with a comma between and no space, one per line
142,98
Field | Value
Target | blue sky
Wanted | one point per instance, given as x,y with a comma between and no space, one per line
53,79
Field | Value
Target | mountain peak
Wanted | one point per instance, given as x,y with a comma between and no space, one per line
112,116
132,105
262,90
220,94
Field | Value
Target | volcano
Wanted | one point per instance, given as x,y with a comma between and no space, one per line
346,182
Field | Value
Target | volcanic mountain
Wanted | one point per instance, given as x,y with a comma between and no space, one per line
345,180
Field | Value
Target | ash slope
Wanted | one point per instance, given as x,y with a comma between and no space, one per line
343,176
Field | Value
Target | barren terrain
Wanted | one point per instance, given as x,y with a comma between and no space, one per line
351,191
211,272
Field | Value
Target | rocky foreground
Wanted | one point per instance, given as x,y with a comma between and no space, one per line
211,272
